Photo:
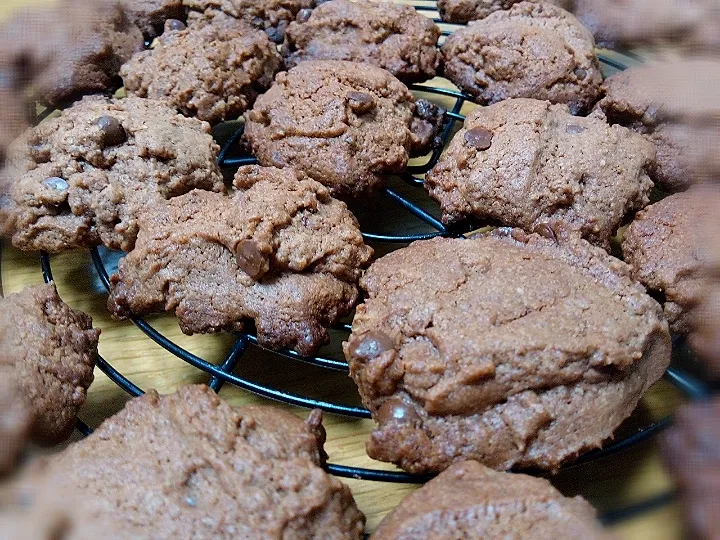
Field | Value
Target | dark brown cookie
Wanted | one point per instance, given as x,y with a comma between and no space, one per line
508,348
15,419
675,105
469,500
531,50
51,350
272,16
280,251
82,178
663,248
392,36
187,465
690,448
150,15
345,124
73,48
213,72
464,11
524,162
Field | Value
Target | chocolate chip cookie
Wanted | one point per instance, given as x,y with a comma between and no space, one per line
530,50
271,16
515,350
150,15
49,349
82,179
213,72
469,500
187,465
392,36
464,11
345,124
675,105
70,49
523,162
280,251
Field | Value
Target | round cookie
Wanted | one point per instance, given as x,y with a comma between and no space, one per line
150,15
82,179
280,251
345,124
213,72
523,162
271,16
464,11
391,36
675,105
469,500
187,465
70,49
664,250
50,351
690,451
511,349
531,50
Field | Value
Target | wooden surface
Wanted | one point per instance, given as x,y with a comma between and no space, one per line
615,482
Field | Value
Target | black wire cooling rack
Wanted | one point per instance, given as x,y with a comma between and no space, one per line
221,374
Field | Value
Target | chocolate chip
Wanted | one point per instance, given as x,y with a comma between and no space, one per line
303,15
544,229
175,24
56,183
395,409
113,132
479,138
580,73
372,345
249,258
361,102
574,129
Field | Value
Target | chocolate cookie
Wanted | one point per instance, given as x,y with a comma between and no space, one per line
524,162
675,105
663,248
690,450
213,72
150,15
464,11
344,124
530,50
15,419
392,36
187,465
469,500
81,179
50,350
73,48
271,16
280,251
508,348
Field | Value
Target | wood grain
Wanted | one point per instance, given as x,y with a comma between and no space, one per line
618,481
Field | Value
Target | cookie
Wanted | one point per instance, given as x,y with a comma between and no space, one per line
690,451
150,15
391,36
271,16
213,72
345,124
469,500
675,105
50,349
524,162
187,465
663,248
15,420
82,179
73,48
515,350
13,117
280,251
530,50
464,11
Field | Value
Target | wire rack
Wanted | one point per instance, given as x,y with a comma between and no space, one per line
223,373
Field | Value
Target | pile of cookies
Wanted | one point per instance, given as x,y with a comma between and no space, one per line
520,347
